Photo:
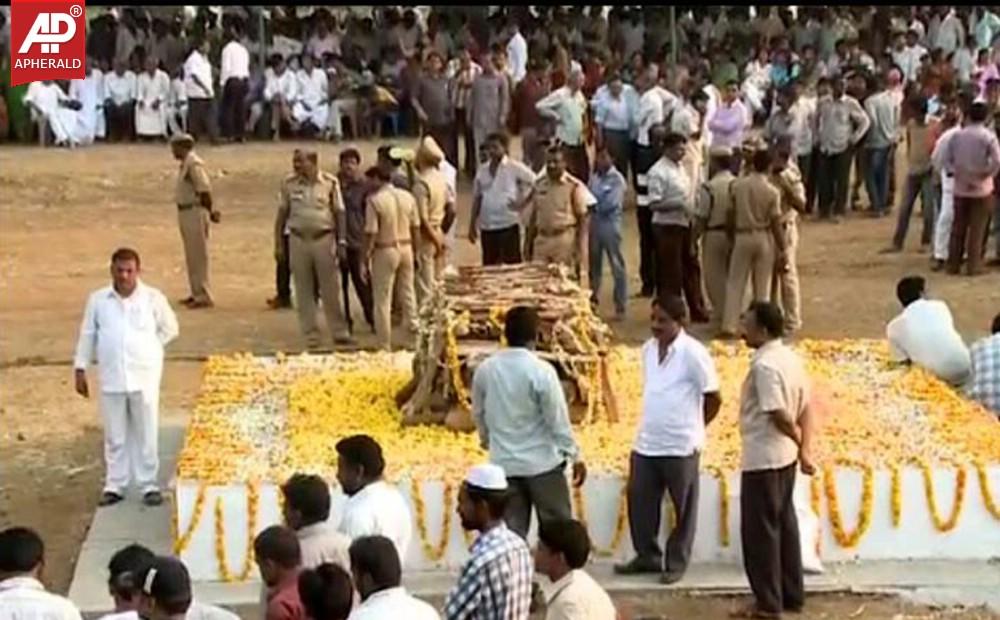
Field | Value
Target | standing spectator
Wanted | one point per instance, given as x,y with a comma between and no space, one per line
919,181
488,102
195,213
234,77
463,75
613,107
152,93
680,397
728,121
119,102
670,203
841,123
279,559
985,384
306,510
973,154
495,581
373,507
517,51
200,92
520,411
431,100
557,230
527,122
712,223
22,595
880,140
354,190
561,555
787,178
776,433
649,113
125,327
502,188
378,577
608,187
430,188
949,126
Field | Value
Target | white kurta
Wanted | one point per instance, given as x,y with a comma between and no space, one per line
177,106
44,100
284,86
152,94
312,104
90,93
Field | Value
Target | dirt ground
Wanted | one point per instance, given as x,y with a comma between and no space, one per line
63,213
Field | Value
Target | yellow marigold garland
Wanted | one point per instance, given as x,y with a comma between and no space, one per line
723,504
181,541
844,538
454,365
498,316
984,487
253,499
956,508
895,496
621,520
434,552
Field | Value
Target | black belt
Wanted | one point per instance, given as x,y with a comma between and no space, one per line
185,207
312,236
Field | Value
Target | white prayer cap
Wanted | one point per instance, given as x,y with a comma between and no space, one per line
488,477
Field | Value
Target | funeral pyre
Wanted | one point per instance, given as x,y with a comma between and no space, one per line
463,322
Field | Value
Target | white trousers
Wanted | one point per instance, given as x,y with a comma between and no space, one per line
131,425
946,214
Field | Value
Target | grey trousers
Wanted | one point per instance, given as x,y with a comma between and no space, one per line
648,478
547,492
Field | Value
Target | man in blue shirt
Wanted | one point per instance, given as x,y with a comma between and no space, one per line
520,411
608,186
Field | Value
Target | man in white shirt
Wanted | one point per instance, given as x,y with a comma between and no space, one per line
152,92
126,568
127,325
22,595
200,92
517,52
680,397
378,573
306,510
119,100
373,506
234,77
312,105
924,334
571,594
649,113
49,104
281,88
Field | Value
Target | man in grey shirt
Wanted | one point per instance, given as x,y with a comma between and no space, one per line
840,124
882,136
489,102
521,414
433,104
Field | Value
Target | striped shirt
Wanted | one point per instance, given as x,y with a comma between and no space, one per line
495,583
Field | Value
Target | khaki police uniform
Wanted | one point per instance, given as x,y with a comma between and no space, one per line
193,220
430,189
391,216
785,285
558,209
312,207
715,206
756,207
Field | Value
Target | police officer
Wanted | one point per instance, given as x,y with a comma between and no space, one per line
558,230
312,208
713,211
758,240
430,189
785,176
391,225
195,211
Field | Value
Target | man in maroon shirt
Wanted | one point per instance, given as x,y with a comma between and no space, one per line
527,121
279,558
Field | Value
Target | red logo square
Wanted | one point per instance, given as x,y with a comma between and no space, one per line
48,40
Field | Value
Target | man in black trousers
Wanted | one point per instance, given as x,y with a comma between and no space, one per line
776,431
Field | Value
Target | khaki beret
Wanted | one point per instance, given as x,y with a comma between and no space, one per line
182,138
429,148
720,151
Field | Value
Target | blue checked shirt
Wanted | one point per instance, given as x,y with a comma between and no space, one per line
609,190
985,385
495,583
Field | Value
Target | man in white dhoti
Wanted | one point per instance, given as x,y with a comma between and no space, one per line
127,326
952,123
89,92
152,93
281,88
312,107
177,104
48,102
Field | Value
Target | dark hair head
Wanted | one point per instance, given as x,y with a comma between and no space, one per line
351,153
501,138
326,591
918,105
910,289
364,451
673,306
568,537
673,139
768,315
309,495
125,254
280,545
377,557
377,173
21,550
995,328
496,501
761,160
125,567
166,580
521,326
978,112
